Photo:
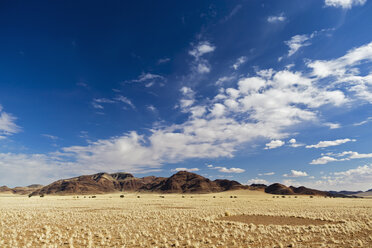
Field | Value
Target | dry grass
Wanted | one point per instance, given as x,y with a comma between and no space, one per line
173,221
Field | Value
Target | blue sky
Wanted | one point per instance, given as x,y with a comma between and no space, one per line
255,91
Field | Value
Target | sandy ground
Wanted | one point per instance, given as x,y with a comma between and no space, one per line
252,219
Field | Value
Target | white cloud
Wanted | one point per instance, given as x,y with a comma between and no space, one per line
343,156
230,170
278,18
345,71
267,174
261,106
151,108
295,173
52,137
146,77
296,42
226,170
201,65
274,144
203,68
239,62
125,100
293,143
323,160
369,119
98,102
224,79
186,169
201,49
7,124
332,125
358,178
257,181
163,60
323,144
345,4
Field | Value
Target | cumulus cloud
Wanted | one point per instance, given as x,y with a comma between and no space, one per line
201,49
275,19
323,144
293,143
295,173
332,125
345,4
260,106
7,124
226,170
343,156
201,65
358,178
186,169
323,160
274,144
257,181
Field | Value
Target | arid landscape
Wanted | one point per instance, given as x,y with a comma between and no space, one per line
242,218
184,210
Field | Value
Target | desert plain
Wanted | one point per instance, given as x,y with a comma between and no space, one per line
242,218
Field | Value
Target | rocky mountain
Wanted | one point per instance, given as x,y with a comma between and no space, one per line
181,182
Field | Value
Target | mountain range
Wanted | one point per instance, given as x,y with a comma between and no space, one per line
181,182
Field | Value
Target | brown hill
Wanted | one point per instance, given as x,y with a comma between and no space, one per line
20,190
280,189
5,189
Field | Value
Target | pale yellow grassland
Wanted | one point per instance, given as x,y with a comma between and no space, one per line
174,221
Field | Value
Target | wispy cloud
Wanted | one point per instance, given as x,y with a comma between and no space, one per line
239,62
369,119
267,174
7,124
343,156
52,137
146,77
163,61
275,19
323,144
345,4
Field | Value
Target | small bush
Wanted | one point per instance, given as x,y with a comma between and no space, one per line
42,195
138,196
121,196
93,196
